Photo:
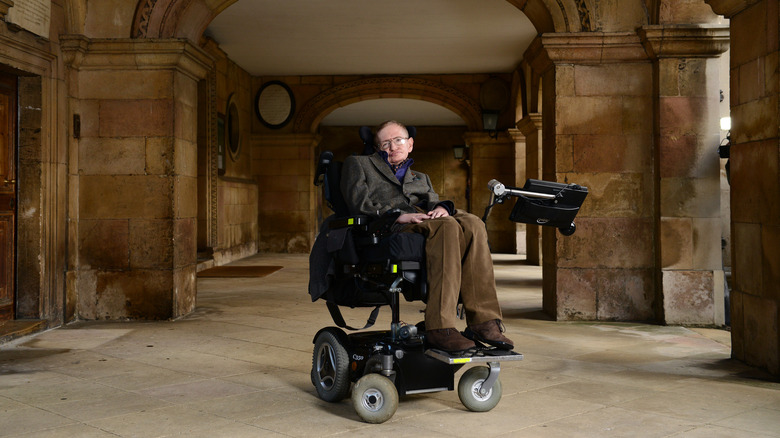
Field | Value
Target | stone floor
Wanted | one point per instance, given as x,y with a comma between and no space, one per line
239,367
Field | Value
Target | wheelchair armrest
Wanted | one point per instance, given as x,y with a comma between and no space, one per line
385,222
349,221
368,231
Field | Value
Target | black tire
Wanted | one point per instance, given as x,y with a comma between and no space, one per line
469,386
375,398
568,231
330,368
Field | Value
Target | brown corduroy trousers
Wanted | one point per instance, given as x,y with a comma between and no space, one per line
458,262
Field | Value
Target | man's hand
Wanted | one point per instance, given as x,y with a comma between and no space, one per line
416,218
412,218
438,212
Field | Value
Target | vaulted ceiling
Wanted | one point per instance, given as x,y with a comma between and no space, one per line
358,37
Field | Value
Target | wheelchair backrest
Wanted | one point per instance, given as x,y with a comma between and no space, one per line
329,176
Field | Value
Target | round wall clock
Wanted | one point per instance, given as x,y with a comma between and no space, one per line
274,104
233,128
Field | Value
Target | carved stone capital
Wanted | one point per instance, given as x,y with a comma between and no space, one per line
684,41
133,54
4,6
530,124
730,8
584,48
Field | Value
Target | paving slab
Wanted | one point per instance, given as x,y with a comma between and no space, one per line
238,366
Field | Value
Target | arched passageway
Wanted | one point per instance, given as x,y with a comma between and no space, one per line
625,112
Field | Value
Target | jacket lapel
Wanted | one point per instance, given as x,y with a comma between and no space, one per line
384,169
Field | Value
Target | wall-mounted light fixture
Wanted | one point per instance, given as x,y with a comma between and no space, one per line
493,99
461,153
725,145
725,123
724,149
490,122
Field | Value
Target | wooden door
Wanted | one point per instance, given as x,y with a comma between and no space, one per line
7,195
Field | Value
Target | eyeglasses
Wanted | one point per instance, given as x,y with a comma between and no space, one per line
398,141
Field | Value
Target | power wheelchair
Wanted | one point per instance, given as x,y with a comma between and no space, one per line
357,262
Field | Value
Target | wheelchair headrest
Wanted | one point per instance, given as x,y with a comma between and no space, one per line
322,167
367,135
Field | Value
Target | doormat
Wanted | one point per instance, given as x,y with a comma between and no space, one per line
239,271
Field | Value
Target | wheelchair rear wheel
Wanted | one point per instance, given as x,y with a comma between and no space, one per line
330,368
375,398
470,390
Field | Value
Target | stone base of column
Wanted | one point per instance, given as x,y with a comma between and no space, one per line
693,297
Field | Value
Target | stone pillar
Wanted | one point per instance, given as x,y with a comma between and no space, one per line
284,167
134,176
755,180
519,180
531,127
597,132
690,277
600,114
493,158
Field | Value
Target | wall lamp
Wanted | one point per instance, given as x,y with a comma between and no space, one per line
724,150
493,98
461,153
490,122
725,145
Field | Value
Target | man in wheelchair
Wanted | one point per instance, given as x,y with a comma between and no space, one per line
458,258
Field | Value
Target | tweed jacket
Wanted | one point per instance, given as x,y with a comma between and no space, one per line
370,187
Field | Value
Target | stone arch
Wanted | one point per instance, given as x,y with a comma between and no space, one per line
174,18
189,18
557,15
324,103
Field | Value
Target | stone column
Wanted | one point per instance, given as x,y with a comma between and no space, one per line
755,180
597,132
690,278
134,167
284,167
519,180
493,158
600,115
531,127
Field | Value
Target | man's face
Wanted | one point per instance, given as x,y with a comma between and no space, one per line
396,152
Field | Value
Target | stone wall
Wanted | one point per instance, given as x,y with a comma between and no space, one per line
755,181
236,202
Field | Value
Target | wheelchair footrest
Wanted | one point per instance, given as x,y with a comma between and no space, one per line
480,356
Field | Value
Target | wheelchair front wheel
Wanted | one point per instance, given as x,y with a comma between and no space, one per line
330,368
375,398
469,392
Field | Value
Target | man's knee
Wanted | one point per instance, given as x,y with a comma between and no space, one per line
470,222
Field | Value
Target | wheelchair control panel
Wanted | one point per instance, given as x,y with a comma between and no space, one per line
545,203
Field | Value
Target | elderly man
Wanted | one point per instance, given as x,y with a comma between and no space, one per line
457,254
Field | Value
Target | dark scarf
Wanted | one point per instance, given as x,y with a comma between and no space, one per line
399,170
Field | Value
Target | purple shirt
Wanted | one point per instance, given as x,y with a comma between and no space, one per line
400,169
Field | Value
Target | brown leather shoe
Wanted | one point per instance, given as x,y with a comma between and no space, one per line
490,332
449,340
